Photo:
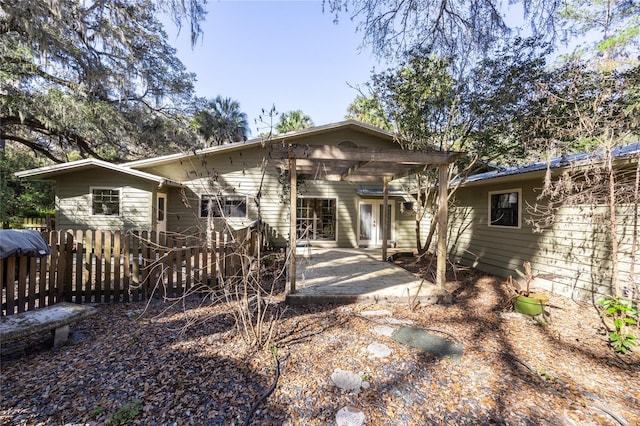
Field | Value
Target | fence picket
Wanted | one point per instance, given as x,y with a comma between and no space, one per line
88,266
78,258
68,273
126,276
43,264
32,289
117,252
98,291
22,282
53,265
87,274
136,249
108,265
10,288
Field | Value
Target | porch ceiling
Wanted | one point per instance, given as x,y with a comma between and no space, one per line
333,163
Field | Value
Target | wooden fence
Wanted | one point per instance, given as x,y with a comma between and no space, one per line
106,267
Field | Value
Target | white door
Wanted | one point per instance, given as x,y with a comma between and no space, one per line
161,213
370,223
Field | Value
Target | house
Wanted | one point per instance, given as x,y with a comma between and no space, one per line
490,228
345,172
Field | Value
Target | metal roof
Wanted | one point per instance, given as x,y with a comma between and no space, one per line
619,153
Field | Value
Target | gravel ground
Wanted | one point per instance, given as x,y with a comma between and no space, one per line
185,364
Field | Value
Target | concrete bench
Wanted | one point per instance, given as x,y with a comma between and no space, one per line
56,318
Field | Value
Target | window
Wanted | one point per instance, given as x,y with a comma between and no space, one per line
316,219
105,202
223,206
347,144
161,207
504,208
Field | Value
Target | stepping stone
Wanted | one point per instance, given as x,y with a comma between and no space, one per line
349,416
346,380
379,350
384,330
435,345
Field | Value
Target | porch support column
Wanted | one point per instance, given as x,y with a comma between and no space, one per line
441,265
385,216
293,182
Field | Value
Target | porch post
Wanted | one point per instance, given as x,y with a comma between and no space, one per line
441,265
385,216
291,287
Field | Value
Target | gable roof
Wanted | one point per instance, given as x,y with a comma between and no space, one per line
276,138
526,171
48,172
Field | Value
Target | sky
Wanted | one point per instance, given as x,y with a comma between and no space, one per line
284,53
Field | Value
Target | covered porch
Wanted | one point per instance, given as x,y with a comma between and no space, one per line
337,163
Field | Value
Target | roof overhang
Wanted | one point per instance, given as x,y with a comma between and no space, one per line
334,163
265,141
51,172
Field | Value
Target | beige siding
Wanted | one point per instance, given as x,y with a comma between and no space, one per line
73,201
571,258
249,172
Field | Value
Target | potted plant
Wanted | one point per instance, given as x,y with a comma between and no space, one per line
526,301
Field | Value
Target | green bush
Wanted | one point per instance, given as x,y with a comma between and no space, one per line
624,315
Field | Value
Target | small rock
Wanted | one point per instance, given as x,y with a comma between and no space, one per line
379,350
349,416
135,313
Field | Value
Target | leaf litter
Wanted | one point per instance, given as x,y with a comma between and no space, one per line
186,365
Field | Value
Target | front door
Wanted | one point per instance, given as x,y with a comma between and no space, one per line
370,223
161,213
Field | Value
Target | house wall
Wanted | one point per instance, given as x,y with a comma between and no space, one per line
571,258
73,201
250,171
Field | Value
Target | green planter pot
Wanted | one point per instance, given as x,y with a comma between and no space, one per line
533,305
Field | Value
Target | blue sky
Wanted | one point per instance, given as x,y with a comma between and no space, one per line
284,53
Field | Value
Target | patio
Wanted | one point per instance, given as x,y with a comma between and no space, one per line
353,275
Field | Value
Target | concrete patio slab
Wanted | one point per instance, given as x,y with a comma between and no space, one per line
353,275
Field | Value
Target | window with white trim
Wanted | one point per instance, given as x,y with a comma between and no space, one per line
223,205
105,201
505,208
316,219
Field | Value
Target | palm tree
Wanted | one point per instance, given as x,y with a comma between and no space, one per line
368,110
293,120
221,121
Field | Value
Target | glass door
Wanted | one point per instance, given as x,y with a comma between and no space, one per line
370,223
161,213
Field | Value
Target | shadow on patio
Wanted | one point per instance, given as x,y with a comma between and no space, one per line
339,275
